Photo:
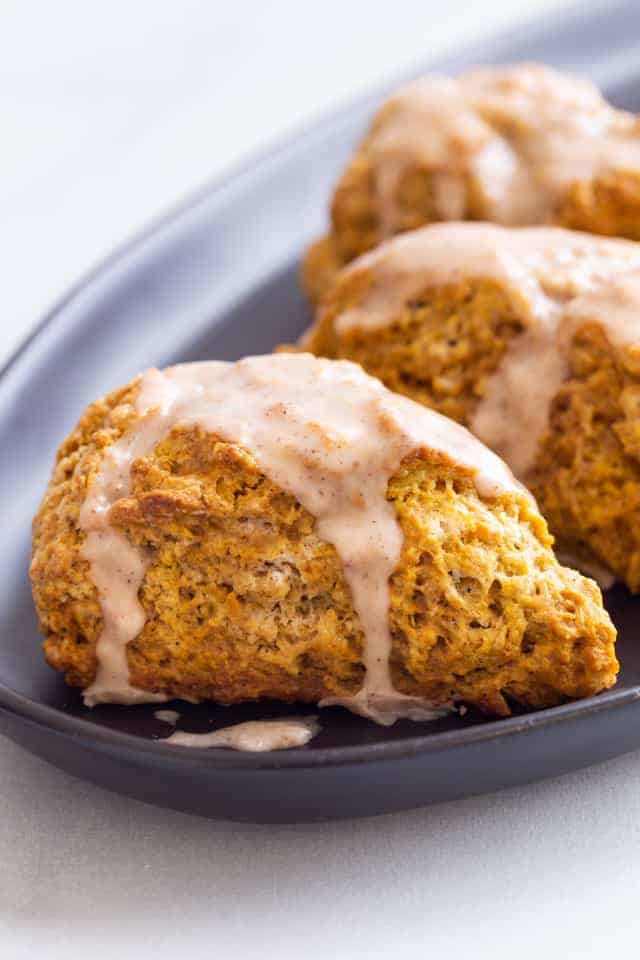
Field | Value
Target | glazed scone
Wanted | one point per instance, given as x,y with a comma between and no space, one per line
519,146
285,527
530,337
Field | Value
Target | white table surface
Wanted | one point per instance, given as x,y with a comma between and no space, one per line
110,113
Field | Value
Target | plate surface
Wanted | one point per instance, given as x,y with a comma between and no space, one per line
217,279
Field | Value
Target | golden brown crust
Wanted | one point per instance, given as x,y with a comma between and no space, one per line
243,600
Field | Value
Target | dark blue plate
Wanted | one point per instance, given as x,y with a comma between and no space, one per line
217,279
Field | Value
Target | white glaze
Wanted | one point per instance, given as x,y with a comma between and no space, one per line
253,736
520,134
323,431
558,279
167,716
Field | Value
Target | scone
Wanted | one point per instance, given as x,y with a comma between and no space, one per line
519,146
530,337
285,527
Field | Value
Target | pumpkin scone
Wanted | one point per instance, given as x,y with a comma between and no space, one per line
530,337
286,527
518,145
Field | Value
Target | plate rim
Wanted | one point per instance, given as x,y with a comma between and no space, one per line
110,740
107,739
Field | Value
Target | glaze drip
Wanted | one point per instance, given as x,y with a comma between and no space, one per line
252,736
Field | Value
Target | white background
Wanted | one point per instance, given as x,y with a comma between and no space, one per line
111,112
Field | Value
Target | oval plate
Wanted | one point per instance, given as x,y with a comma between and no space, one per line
217,279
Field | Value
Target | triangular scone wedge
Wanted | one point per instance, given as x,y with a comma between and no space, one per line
437,585
516,145
530,337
